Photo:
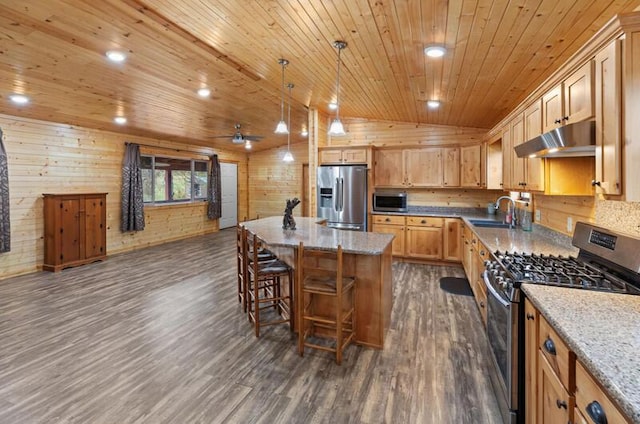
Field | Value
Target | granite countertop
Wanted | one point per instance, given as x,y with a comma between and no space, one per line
315,236
603,329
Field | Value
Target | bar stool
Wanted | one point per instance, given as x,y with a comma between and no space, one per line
243,261
263,287
325,302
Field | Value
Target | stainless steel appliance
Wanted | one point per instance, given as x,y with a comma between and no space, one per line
390,202
342,196
607,261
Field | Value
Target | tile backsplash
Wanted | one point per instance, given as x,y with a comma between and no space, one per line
618,216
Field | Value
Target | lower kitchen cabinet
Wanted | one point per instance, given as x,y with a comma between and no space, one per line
424,238
558,388
474,254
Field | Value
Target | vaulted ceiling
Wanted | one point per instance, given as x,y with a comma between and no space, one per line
497,51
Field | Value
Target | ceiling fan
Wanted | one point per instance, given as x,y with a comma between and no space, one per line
239,138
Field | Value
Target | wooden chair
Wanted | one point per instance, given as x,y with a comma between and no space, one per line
325,302
263,281
243,260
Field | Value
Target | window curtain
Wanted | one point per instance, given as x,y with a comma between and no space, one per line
214,189
132,202
5,228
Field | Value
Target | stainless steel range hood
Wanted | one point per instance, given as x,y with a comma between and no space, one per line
578,139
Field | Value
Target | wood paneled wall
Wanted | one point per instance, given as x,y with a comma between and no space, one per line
45,157
555,210
387,133
272,181
452,198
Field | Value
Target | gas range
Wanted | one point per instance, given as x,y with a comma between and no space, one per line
606,262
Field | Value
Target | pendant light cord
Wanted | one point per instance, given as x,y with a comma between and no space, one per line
284,63
290,85
338,84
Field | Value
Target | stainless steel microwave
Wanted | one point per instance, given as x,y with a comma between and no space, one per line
390,202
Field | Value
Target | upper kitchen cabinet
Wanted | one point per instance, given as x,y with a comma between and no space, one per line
472,166
345,156
518,177
608,178
427,167
423,167
507,150
570,101
533,167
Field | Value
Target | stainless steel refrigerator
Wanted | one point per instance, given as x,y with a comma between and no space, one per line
342,196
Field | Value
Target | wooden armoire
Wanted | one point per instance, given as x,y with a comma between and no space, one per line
75,229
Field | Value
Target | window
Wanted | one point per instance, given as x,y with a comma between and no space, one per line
170,180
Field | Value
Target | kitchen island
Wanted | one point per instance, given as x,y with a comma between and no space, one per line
367,256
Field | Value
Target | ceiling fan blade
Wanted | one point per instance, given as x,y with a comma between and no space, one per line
222,136
253,137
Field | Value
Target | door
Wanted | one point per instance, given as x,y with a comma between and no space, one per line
229,189
353,192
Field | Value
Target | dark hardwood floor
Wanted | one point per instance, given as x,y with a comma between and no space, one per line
157,336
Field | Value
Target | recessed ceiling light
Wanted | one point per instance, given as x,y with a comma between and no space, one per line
204,92
433,104
19,99
116,56
435,51
333,106
120,120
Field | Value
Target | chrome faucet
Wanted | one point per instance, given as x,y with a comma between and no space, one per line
513,208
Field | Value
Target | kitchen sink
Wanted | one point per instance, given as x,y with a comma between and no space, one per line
488,223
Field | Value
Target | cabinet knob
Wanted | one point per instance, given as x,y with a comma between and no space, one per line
530,316
557,121
387,220
423,221
561,404
550,346
596,412
481,304
566,118
482,253
595,183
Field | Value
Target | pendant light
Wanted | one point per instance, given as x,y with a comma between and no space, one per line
281,128
336,127
288,157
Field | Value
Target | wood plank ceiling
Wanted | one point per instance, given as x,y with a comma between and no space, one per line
498,51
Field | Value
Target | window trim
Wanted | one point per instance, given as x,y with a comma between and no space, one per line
192,165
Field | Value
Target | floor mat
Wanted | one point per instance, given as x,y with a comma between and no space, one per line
456,285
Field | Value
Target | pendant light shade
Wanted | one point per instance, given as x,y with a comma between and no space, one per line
288,157
282,128
336,127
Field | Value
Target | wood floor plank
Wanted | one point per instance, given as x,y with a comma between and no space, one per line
157,336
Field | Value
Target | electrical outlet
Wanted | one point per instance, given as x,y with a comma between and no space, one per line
538,215
569,224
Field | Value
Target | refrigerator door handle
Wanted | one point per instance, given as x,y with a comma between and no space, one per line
336,195
341,194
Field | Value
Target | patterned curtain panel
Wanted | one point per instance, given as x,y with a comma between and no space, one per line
5,228
132,202
214,189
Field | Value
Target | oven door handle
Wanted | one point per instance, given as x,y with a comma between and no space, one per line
493,291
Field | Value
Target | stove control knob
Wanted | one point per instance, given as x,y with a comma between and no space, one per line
504,283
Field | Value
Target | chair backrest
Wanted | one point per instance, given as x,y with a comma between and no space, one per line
320,263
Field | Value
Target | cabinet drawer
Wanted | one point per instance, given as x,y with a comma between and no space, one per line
424,221
560,358
388,219
590,397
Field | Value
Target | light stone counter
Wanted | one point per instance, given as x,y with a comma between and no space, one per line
315,236
603,330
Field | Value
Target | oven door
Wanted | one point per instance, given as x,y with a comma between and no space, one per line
502,333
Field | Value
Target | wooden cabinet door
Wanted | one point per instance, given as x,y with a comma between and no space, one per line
555,405
534,167
451,165
530,362
397,245
72,243
517,164
94,229
552,109
388,168
423,167
471,166
506,158
452,240
331,156
608,119
578,95
424,242
355,156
